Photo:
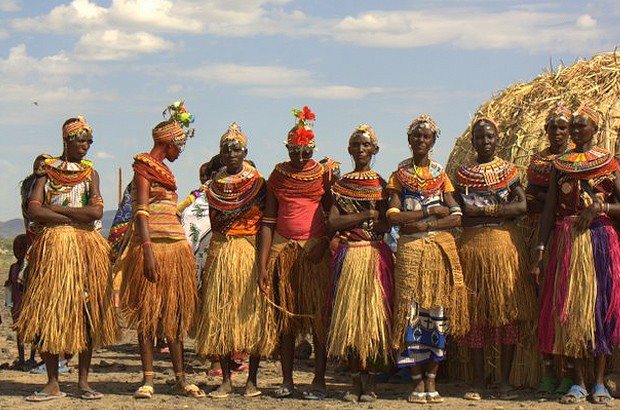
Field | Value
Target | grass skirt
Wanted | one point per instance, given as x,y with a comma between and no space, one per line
428,272
233,312
361,300
68,302
299,287
496,276
172,300
580,309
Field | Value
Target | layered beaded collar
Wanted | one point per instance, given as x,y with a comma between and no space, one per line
541,165
491,176
423,180
576,162
364,185
227,192
65,173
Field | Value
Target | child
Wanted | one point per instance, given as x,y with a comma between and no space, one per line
20,246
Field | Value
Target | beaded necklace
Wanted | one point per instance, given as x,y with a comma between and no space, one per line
306,183
491,176
154,170
228,193
65,173
423,180
541,165
572,162
364,185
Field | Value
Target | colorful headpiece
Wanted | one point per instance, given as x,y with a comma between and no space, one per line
234,134
588,111
424,120
75,127
365,130
483,118
177,118
560,111
301,134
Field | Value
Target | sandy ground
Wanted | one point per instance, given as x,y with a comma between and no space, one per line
116,373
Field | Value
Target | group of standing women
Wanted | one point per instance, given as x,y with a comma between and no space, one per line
304,253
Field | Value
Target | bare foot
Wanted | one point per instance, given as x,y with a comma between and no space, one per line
251,390
223,391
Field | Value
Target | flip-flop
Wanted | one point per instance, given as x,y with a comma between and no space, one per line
418,397
472,395
42,396
254,393
434,397
370,397
576,394
600,395
191,390
314,394
144,392
285,390
91,394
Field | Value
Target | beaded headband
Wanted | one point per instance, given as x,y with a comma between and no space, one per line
560,111
586,110
74,127
365,130
301,134
424,120
234,133
482,118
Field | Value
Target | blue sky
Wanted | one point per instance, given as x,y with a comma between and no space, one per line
120,62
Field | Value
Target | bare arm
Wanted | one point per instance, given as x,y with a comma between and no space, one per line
143,190
88,213
614,208
37,212
265,238
339,222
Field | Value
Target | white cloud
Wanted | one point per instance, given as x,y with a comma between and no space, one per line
77,16
464,28
117,45
248,75
103,155
19,64
326,92
586,21
9,6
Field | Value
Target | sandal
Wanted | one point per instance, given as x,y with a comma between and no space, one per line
350,397
508,395
42,396
472,395
576,394
418,397
434,397
91,394
145,391
600,395
548,385
285,390
191,390
314,394
369,397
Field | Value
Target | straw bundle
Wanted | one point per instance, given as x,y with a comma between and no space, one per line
521,109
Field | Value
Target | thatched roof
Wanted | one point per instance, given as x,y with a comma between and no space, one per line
521,109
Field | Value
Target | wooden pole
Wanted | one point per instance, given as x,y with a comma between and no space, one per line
120,185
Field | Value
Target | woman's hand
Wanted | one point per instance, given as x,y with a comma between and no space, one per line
536,263
586,216
150,264
263,280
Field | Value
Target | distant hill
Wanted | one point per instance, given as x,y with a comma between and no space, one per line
14,227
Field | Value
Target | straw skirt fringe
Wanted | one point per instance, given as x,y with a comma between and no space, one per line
68,303
429,273
299,286
363,281
495,274
233,311
172,299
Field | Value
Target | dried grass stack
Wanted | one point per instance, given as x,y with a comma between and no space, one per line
520,110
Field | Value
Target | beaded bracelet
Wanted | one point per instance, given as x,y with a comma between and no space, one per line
391,211
268,221
146,243
144,213
34,201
